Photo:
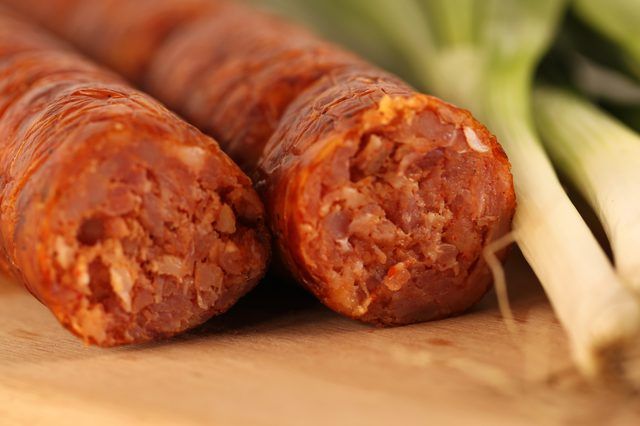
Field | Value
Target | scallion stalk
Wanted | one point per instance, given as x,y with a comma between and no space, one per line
619,20
602,158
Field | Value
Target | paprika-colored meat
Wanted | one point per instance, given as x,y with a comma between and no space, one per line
381,199
126,222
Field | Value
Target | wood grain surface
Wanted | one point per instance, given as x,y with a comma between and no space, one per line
279,358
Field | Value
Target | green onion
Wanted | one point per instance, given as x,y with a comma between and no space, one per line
482,54
602,158
619,20
582,61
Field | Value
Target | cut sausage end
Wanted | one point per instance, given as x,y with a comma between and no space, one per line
152,242
397,216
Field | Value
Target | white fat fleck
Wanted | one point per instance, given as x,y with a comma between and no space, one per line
324,209
474,141
344,245
122,283
231,247
82,275
375,142
201,303
397,277
226,222
192,156
169,265
88,321
64,253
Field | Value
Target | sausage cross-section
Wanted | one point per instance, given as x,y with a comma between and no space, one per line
126,222
384,214
381,199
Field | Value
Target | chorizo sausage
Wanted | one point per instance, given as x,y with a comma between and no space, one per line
381,199
126,222
384,212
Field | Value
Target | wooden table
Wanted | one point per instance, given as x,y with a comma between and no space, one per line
279,358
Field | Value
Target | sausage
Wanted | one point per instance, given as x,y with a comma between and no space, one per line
381,199
125,221
385,212
136,38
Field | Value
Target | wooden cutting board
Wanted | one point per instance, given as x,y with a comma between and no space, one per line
279,358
